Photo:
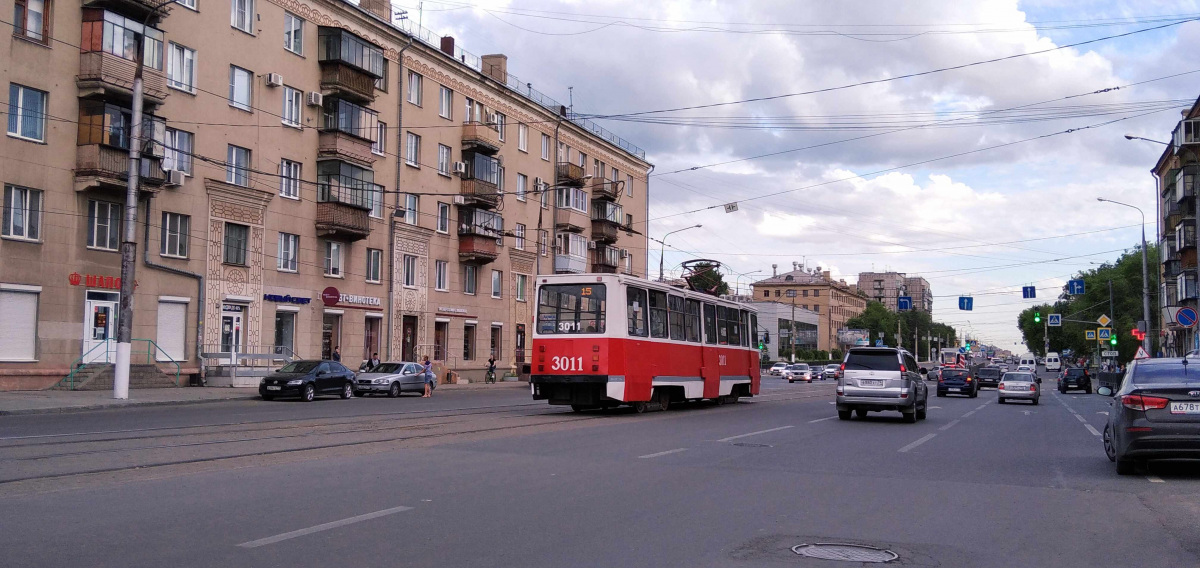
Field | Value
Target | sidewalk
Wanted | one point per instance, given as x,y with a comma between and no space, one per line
54,401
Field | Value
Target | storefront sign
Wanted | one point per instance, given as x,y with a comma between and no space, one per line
289,299
359,300
96,281
452,310
332,297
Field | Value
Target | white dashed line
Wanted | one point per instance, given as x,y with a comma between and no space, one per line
968,415
947,427
660,454
1092,430
822,419
1081,419
1154,479
754,433
922,440
322,527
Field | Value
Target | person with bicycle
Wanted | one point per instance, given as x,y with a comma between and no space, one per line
491,370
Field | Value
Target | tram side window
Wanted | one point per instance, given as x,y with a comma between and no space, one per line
636,308
753,330
722,325
658,314
571,308
710,324
691,321
745,328
675,304
731,321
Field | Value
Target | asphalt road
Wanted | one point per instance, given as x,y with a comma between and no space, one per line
493,479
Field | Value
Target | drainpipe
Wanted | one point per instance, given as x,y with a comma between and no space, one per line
392,217
647,217
554,199
199,287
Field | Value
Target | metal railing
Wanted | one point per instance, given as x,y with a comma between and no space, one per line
109,345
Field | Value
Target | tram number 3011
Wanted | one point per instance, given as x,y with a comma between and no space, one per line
566,363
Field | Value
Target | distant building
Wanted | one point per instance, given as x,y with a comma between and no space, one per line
834,301
887,287
779,324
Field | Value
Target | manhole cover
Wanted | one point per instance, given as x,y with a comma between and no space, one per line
751,445
847,552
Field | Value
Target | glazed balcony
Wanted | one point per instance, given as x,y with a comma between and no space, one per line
349,64
1187,133
333,144
477,248
604,189
606,259
1172,268
107,76
571,220
606,219
570,264
99,165
344,207
343,81
1185,183
569,174
480,180
136,9
480,137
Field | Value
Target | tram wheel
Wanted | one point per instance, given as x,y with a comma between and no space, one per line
664,400
639,407
733,397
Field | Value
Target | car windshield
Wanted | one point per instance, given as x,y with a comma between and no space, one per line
802,366
572,308
1018,377
833,367
989,372
1165,373
299,366
795,368
872,361
954,374
1076,372
388,368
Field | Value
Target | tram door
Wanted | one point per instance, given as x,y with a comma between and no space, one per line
710,369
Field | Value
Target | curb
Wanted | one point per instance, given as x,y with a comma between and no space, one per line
91,407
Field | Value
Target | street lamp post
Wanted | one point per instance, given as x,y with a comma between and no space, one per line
1145,272
737,290
662,250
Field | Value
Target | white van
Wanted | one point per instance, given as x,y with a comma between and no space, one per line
1028,359
1052,362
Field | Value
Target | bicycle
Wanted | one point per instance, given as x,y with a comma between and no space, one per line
490,377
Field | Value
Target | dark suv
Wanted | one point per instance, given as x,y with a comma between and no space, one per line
957,381
1074,378
987,377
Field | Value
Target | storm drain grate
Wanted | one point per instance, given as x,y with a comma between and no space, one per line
846,552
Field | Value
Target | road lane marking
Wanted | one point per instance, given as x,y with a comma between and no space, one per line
1092,430
322,527
821,419
1154,479
660,454
739,436
980,407
922,440
947,427
968,415
1081,418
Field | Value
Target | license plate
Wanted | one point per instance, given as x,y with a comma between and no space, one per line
870,382
955,390
1185,408
271,388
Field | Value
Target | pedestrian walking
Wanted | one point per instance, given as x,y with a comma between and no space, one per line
428,371
373,361
337,354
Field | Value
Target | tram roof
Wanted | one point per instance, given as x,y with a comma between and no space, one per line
593,277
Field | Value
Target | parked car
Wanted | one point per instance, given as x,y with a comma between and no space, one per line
798,372
777,368
1155,415
957,381
391,377
306,379
1018,385
987,377
876,379
1074,378
831,371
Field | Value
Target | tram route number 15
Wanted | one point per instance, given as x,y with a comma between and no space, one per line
566,363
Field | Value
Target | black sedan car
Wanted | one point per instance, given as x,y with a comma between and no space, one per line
957,381
1075,378
1155,414
307,379
988,376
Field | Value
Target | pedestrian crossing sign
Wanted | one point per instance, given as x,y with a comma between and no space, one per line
1103,333
1090,334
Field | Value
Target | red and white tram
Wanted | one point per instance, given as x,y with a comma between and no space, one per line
605,340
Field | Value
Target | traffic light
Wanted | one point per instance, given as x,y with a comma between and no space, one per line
1037,317
1112,340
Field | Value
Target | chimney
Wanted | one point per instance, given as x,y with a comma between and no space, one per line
825,275
496,67
448,45
774,270
795,266
381,8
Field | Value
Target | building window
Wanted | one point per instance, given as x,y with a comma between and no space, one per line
545,147
519,236
242,15
291,106
497,342
236,239
18,327
30,20
522,186
441,275
412,151
26,113
500,124
289,179
446,103
289,251
629,262
374,264
629,220
628,185
285,332
410,271
544,195
379,146
816,293
470,272
573,198
469,341
414,87
543,242
333,259
293,33
523,137
522,283
411,209
443,218
239,87
22,213
376,199
497,283
237,169
104,225
177,153
443,159
174,235
181,68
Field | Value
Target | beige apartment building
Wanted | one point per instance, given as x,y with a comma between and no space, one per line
887,287
316,178
834,301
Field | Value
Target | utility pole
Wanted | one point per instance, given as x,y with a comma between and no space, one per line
791,325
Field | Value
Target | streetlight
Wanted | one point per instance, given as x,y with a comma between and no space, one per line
736,285
1145,272
1132,137
662,249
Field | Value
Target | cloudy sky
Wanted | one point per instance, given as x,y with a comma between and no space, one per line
966,176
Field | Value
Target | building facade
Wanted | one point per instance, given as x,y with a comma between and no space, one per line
314,178
780,325
1176,174
887,287
833,301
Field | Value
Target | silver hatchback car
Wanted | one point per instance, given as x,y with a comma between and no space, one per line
1018,386
391,378
880,378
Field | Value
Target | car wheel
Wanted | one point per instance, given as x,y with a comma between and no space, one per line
974,394
843,415
733,397
939,394
791,381
309,393
268,397
1125,467
1000,400
1035,402
910,417
394,391
1110,450
921,412
347,391
860,413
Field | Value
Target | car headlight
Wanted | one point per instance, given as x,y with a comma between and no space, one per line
381,381
295,382
262,382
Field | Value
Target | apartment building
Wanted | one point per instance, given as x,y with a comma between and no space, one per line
315,178
834,301
780,326
1177,174
887,287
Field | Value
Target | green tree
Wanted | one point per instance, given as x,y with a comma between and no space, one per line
709,280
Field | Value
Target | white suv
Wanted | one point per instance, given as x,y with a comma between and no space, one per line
881,378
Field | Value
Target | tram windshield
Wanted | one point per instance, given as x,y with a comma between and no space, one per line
571,308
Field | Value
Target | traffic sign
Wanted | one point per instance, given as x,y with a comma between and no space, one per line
1186,317
1141,354
878,343
1090,334
966,303
904,303
1055,320
1103,333
1075,287
1103,321
1110,354
1028,292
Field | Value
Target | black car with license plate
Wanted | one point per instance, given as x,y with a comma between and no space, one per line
308,378
1075,378
987,377
1155,413
957,381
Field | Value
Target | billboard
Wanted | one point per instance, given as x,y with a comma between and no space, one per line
854,337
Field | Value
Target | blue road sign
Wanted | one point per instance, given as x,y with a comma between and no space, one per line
1186,317
904,303
1028,292
878,343
1054,320
1103,333
966,303
1075,287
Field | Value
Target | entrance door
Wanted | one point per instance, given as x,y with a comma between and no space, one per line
408,349
232,317
520,347
440,330
100,326
331,334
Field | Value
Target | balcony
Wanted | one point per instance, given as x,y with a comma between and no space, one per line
98,165
571,220
349,64
1168,181
604,231
341,221
570,264
1172,268
333,144
345,196
1185,237
605,189
1187,133
606,259
343,81
110,77
480,137
136,9
477,248
1185,183
569,174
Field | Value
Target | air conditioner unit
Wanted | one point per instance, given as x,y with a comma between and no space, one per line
460,168
315,99
174,178
624,253
492,118
460,200
274,80
591,245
